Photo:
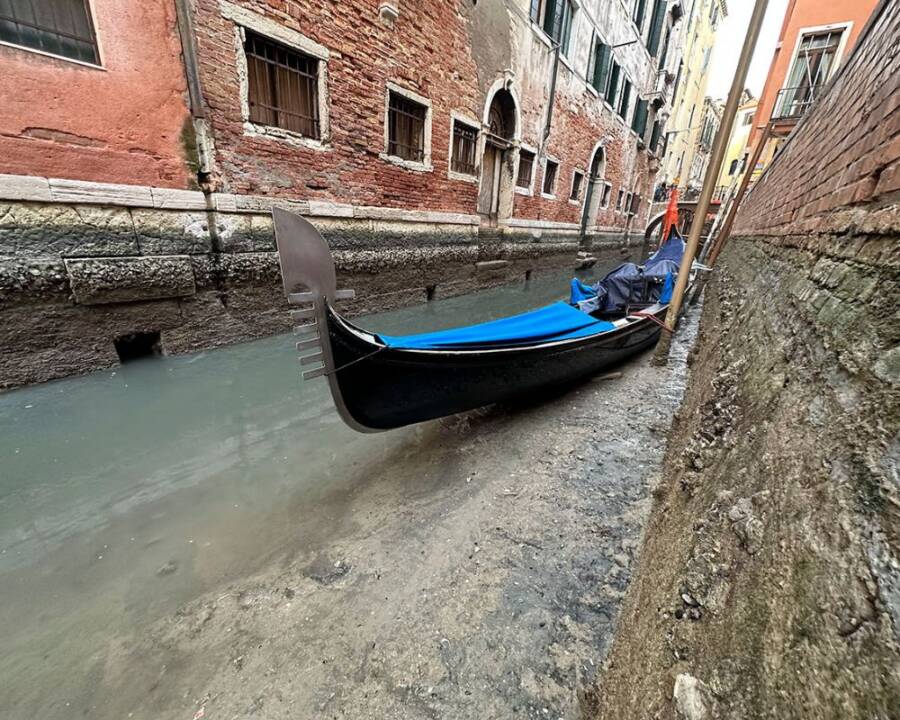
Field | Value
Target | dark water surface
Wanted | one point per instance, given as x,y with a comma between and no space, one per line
126,493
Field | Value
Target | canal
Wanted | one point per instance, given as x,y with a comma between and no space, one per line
129,496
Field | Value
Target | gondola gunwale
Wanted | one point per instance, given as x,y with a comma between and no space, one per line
657,311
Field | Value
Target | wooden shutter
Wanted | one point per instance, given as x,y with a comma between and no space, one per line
639,123
639,10
613,89
601,67
659,15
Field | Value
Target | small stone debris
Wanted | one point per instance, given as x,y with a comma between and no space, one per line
689,695
167,568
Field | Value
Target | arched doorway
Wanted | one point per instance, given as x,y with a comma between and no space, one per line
596,185
498,158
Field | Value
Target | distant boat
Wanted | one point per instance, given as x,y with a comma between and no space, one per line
380,382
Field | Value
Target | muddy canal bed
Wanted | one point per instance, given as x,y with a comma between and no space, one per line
201,537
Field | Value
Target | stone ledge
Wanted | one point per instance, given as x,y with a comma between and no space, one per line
98,281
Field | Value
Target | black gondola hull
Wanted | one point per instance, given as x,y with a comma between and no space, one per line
384,388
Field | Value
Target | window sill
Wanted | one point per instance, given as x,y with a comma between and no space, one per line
287,136
35,51
574,202
548,197
524,191
412,165
462,177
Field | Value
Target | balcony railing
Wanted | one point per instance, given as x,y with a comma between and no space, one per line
792,103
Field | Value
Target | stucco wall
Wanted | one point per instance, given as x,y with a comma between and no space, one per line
803,15
121,122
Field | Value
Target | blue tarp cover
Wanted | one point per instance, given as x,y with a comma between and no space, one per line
554,322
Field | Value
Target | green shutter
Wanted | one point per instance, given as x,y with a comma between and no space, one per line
536,10
654,136
639,10
601,67
626,98
639,122
613,90
659,15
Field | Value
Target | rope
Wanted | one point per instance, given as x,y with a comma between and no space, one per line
651,316
353,362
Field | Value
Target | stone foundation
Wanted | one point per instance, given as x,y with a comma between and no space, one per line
203,271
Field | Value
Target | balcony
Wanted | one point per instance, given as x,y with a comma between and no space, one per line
792,103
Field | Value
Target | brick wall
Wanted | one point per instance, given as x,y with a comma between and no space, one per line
844,157
769,579
442,51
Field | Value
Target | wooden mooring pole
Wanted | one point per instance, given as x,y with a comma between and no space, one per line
712,174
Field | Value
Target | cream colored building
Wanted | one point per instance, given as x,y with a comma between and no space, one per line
737,144
686,123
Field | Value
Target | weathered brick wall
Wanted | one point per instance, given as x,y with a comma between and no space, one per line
448,52
844,156
769,581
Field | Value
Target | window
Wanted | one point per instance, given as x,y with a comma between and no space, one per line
526,169
577,180
656,26
635,204
550,171
811,69
620,199
732,169
604,198
640,7
406,128
282,86
555,18
748,118
639,121
612,89
627,204
57,27
598,67
625,99
465,141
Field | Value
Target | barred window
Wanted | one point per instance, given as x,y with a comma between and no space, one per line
604,199
577,179
58,27
283,86
526,169
406,128
550,177
465,141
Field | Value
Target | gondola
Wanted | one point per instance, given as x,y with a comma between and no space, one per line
381,382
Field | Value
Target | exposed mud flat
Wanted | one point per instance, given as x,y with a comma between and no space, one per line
480,577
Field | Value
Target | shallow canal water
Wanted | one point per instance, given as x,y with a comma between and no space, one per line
126,493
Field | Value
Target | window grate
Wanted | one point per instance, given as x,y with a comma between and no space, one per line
464,143
58,27
283,87
406,128
526,169
550,177
577,179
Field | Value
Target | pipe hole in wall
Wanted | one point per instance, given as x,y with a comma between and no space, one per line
528,275
138,345
429,292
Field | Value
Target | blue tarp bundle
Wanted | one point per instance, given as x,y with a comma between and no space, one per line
559,321
629,283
